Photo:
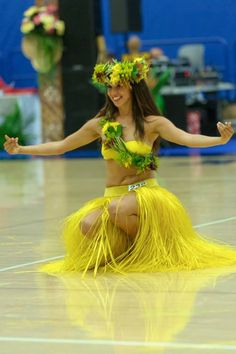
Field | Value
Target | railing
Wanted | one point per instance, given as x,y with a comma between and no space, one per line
177,42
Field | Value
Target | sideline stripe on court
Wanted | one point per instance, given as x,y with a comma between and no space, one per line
30,263
58,257
215,222
120,343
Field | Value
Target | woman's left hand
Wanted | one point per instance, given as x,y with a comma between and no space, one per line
226,131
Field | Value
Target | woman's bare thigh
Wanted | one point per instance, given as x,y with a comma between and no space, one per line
124,206
124,213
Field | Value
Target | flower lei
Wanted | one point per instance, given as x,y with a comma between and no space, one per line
120,73
113,134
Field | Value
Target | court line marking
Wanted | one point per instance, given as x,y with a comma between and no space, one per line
58,257
215,222
120,343
30,263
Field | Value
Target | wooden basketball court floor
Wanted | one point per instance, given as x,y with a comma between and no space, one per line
186,312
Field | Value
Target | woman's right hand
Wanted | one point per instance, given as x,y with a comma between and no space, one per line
11,145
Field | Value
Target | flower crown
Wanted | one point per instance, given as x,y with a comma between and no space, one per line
120,73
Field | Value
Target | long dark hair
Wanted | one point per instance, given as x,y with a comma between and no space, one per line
143,105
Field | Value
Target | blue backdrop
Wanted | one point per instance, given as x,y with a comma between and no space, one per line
209,21
14,67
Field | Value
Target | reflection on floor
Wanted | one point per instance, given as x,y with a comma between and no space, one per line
169,313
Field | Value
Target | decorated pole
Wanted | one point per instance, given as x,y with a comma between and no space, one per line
45,51
43,46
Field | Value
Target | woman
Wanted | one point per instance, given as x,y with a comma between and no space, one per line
137,226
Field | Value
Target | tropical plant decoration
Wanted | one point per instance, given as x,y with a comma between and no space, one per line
42,41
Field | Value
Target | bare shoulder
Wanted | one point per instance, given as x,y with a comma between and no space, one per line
155,119
93,124
152,123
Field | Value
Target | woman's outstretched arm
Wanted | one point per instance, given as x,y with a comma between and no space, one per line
168,131
85,135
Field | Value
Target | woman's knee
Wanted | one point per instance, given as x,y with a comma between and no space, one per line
115,210
121,216
86,226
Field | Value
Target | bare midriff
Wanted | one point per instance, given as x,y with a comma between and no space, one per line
119,176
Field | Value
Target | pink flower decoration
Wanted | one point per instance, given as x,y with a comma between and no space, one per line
37,20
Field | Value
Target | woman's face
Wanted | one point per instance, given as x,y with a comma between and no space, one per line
120,95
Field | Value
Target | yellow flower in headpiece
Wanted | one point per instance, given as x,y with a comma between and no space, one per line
116,68
122,73
127,69
115,75
99,75
142,68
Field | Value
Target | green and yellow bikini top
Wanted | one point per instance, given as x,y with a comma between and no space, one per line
127,153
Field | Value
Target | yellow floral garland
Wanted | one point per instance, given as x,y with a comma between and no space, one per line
113,140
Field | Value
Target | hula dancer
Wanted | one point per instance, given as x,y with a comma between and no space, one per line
137,226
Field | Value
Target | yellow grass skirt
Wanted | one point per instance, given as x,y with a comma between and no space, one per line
165,241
